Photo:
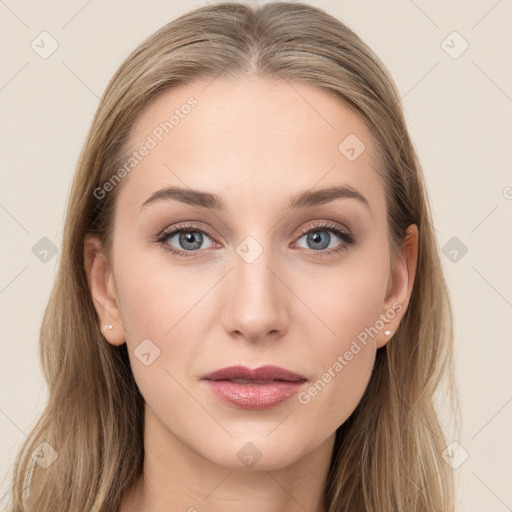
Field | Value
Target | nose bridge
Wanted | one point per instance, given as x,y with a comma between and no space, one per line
255,308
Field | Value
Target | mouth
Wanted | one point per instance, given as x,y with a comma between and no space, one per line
259,388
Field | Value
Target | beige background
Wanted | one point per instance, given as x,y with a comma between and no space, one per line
459,114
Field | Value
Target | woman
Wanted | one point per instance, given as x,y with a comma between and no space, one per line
250,311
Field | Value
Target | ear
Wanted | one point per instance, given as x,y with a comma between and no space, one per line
400,285
103,292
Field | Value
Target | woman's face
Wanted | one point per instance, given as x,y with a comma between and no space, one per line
282,260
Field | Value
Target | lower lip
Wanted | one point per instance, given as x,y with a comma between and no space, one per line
254,396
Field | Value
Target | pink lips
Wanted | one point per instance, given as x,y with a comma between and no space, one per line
260,388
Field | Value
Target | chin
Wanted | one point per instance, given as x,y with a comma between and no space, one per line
257,453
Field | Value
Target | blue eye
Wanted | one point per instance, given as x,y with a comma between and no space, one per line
319,239
189,239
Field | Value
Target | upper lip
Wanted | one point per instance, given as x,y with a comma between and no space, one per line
262,373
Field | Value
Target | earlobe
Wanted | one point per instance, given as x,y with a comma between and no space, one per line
102,289
401,285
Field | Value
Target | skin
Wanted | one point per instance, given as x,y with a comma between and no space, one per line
255,142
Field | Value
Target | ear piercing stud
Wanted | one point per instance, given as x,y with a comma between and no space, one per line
106,327
387,333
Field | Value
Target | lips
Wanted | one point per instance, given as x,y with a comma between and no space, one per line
259,388
263,373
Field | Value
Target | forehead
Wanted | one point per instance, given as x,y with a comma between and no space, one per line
244,137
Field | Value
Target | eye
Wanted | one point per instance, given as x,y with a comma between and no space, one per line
184,240
319,239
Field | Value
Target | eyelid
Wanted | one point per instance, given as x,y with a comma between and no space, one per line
326,225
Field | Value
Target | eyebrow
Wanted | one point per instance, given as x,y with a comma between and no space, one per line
306,199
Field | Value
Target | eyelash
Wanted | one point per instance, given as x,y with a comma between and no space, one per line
344,235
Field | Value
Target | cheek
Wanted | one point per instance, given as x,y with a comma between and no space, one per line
154,309
337,390
153,294
345,354
343,367
163,314
347,300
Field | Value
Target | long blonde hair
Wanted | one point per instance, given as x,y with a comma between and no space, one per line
388,454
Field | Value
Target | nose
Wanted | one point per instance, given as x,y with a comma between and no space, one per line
256,305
